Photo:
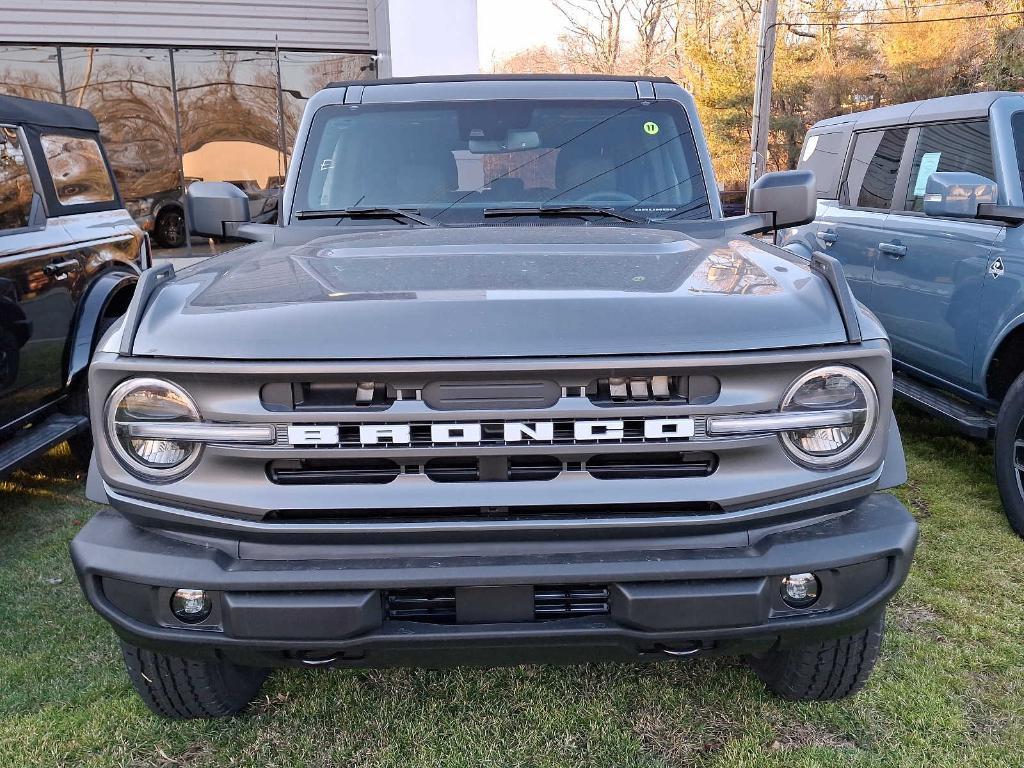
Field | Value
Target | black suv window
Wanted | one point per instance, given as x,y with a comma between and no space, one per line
15,182
876,161
1018,139
948,147
78,170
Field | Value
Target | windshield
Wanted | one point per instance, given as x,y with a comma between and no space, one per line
452,161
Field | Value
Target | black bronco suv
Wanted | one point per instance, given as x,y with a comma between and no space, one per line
70,257
503,386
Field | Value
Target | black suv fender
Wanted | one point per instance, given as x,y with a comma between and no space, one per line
107,291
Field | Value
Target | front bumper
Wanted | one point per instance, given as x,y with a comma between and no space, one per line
312,608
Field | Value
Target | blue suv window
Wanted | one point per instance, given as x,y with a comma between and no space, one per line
948,147
876,161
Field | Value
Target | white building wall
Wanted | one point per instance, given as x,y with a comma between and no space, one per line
339,25
426,37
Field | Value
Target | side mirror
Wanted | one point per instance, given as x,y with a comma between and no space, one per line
789,197
217,208
967,196
958,195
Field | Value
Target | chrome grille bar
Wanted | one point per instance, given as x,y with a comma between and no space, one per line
259,434
779,422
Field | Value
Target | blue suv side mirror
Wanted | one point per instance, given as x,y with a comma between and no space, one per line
958,195
967,196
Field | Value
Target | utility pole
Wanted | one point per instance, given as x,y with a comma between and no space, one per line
763,89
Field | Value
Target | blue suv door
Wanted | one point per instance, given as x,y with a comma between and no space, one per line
851,229
929,272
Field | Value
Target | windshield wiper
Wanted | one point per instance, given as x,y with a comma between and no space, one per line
566,210
380,212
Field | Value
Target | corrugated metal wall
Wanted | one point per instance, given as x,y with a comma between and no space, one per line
318,24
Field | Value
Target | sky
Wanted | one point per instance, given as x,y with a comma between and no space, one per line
507,26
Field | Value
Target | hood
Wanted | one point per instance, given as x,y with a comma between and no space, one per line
533,291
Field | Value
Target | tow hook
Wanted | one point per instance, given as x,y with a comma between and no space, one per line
326,661
681,652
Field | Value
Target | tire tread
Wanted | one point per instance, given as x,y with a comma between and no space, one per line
824,671
183,689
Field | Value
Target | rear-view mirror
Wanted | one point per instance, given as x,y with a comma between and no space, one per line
514,141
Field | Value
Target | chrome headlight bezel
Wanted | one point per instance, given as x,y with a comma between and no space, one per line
868,424
132,462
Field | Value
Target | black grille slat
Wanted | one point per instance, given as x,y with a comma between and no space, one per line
433,606
499,469
569,602
533,468
651,466
334,472
453,470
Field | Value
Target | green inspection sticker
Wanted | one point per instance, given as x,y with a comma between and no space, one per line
651,128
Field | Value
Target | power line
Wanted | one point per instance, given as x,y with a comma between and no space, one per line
887,9
897,21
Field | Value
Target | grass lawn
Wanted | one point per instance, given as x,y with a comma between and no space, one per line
949,690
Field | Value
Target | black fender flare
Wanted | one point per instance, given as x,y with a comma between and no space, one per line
90,310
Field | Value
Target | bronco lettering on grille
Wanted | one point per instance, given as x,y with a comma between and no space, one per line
458,433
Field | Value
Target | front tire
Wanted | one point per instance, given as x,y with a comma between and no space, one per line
825,671
1009,455
186,689
169,231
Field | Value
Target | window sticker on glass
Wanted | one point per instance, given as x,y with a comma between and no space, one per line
929,164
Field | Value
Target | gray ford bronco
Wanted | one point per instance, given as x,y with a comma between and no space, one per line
503,386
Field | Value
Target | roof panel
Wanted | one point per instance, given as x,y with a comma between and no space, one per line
17,110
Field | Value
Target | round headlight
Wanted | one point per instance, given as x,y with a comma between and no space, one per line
137,402
833,388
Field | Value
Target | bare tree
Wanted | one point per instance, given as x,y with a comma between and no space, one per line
593,38
651,18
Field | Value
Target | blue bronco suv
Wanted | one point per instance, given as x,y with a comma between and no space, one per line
923,205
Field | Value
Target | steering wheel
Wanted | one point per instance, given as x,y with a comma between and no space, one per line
609,197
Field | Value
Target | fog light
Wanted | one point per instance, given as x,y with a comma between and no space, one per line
191,605
800,590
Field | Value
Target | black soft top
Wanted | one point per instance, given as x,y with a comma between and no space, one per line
14,109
